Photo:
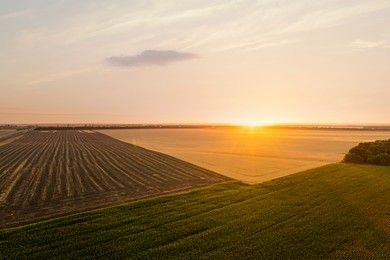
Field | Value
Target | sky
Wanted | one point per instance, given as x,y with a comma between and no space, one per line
195,61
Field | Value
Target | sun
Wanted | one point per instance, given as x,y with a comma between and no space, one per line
251,123
256,122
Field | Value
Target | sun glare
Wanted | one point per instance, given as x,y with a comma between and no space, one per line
253,123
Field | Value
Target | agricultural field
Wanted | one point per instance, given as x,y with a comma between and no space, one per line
251,155
5,132
54,173
338,211
8,135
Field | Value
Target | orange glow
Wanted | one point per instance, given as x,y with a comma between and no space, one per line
255,123
250,124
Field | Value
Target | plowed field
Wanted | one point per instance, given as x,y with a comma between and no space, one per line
48,174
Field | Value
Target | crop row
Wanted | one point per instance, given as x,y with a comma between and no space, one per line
54,173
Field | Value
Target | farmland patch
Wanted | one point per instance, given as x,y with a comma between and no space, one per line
47,174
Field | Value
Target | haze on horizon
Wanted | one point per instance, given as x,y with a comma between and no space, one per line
195,61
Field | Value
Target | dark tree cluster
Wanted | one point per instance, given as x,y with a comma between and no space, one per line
377,153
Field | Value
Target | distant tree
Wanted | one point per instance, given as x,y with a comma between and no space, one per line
380,159
377,153
354,158
360,151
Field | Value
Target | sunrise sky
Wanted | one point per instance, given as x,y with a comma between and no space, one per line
195,61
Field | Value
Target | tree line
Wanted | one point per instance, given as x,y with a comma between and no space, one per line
377,153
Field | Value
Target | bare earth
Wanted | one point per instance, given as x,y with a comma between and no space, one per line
251,155
48,174
9,135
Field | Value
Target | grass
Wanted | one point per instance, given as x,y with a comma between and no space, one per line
335,211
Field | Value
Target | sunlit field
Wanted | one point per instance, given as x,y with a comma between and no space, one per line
8,135
339,211
251,154
6,132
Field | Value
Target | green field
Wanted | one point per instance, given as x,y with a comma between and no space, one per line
335,211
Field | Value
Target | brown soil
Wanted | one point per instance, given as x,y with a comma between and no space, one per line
49,174
9,138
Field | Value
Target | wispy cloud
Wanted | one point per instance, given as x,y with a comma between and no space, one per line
150,57
265,24
191,26
331,16
14,15
194,25
35,81
361,44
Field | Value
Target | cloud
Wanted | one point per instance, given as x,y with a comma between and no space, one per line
54,76
369,44
15,15
195,26
150,57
